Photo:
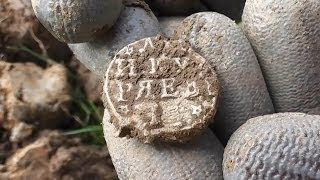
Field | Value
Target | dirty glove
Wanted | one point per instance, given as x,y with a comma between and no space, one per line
244,91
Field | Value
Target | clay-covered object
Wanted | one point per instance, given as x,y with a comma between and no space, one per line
243,92
198,159
169,24
278,146
176,7
285,35
33,95
231,8
158,89
77,21
134,23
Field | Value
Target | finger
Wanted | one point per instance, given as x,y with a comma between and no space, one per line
135,22
243,91
285,35
278,146
76,21
199,159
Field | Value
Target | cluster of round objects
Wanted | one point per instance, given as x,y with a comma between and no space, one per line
167,78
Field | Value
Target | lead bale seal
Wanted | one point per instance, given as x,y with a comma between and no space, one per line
160,89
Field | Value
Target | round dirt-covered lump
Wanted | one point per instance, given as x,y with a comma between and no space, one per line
160,89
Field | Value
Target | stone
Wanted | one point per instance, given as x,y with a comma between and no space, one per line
159,89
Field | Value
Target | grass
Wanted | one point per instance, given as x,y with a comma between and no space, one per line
86,114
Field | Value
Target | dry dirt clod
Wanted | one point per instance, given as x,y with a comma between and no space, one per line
16,18
32,95
53,156
278,146
20,132
285,35
243,93
159,89
77,21
135,22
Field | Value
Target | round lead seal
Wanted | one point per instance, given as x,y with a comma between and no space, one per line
160,90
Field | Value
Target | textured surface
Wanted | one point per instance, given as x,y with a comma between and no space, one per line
76,21
278,146
243,93
199,159
170,24
285,35
133,24
160,90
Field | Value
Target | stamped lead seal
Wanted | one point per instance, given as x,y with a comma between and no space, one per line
160,90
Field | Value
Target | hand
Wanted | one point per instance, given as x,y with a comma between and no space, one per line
244,93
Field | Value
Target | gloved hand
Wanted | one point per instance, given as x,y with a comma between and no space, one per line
288,53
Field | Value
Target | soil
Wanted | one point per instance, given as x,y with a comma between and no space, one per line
30,94
160,89
33,99
19,26
91,82
54,156
17,18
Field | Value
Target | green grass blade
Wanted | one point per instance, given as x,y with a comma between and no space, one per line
88,129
